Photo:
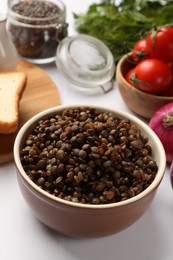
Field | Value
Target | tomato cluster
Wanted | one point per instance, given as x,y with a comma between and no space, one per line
153,58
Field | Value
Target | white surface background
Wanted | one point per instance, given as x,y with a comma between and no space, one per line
23,237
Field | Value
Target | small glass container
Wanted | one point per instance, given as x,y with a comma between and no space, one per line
86,62
36,28
8,53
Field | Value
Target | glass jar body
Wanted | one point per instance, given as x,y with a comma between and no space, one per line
36,38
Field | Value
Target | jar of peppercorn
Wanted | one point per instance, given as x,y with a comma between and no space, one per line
36,27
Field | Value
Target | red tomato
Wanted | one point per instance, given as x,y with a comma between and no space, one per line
160,44
140,51
170,64
152,76
169,91
130,76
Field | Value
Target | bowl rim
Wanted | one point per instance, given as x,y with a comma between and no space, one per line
132,118
124,59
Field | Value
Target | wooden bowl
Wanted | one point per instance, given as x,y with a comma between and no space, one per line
86,220
141,103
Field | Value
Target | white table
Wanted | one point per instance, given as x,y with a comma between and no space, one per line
23,237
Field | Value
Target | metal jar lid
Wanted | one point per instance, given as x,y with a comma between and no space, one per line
86,62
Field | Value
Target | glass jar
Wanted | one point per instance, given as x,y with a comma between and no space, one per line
36,28
87,63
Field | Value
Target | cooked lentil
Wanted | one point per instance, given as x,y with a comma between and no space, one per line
70,156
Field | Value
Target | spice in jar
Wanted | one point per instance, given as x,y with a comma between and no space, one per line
86,156
36,28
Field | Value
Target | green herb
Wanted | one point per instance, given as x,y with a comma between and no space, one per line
120,26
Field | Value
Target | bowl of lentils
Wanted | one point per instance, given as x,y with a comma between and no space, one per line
88,171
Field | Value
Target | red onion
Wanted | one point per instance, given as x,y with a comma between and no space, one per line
171,173
162,124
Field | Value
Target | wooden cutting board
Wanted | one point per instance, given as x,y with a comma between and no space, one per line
40,93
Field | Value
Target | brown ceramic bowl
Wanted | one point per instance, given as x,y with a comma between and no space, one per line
141,103
85,220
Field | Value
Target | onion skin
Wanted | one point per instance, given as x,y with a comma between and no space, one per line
162,124
171,173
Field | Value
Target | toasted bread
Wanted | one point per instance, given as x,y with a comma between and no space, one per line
12,85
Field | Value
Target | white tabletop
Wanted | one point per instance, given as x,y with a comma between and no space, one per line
23,237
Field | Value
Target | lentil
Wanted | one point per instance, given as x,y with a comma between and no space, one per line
34,28
81,171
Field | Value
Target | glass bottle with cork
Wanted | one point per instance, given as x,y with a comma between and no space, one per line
8,53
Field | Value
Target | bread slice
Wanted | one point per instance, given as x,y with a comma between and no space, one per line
12,85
